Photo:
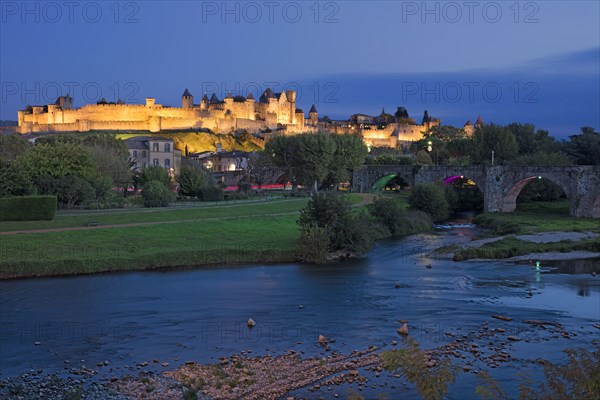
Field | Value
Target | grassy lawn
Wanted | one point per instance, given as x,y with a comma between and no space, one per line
249,233
537,217
400,196
259,239
159,215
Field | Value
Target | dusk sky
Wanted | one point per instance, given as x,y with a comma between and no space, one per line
535,62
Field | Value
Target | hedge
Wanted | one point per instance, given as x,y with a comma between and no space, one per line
28,208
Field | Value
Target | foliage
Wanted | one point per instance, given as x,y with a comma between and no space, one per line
489,389
579,378
13,180
349,154
389,213
494,138
211,193
260,168
12,146
423,158
411,362
191,181
541,158
529,141
58,159
391,159
431,199
28,208
71,190
347,232
156,194
459,147
445,133
584,149
314,244
313,159
152,173
315,156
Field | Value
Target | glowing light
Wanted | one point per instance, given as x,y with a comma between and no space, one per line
539,177
537,265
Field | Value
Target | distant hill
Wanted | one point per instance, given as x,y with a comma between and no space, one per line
5,122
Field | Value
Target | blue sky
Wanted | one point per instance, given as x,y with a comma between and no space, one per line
530,61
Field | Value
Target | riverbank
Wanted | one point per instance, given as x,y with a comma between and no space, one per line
534,231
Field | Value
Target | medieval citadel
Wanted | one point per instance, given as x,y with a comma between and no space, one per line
272,112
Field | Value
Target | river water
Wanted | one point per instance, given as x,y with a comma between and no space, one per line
200,314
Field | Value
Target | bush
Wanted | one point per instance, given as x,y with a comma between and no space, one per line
389,213
211,193
347,232
191,181
156,194
314,244
28,208
431,199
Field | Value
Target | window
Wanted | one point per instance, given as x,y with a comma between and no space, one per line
168,147
167,163
135,153
143,153
143,164
155,147
155,162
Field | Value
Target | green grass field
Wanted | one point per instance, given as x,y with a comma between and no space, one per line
123,216
248,233
537,217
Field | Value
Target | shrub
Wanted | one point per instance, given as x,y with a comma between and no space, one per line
347,232
191,181
156,194
431,199
389,213
314,244
28,208
211,193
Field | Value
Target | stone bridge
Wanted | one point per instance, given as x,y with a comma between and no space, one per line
500,184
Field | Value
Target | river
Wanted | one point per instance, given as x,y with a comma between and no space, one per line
200,314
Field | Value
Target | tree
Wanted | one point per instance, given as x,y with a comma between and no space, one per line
12,146
156,194
153,173
529,141
260,168
191,181
494,138
58,159
431,199
350,153
315,155
283,151
584,149
445,133
13,180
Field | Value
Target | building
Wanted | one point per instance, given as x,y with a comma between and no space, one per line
145,151
275,111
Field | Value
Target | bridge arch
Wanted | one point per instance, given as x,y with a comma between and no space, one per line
509,200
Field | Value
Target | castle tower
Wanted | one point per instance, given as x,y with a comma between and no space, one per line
313,116
479,123
291,98
469,128
204,102
228,101
187,100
